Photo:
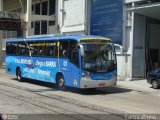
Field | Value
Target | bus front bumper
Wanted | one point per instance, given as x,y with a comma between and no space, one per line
88,83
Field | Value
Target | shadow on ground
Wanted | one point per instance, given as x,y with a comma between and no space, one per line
97,91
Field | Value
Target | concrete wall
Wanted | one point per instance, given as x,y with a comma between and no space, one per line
123,66
72,16
1,5
10,5
138,62
1,37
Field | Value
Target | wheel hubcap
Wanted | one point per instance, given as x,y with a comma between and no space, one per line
18,75
61,81
155,84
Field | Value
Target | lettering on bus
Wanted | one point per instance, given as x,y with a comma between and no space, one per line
65,63
23,61
37,63
50,64
28,70
46,63
40,64
42,72
39,71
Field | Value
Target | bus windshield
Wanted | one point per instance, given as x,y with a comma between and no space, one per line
99,56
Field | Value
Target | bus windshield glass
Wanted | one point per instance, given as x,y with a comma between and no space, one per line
99,56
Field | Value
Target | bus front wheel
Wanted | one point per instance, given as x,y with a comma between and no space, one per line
19,75
60,82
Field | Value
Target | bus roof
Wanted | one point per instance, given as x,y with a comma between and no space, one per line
58,37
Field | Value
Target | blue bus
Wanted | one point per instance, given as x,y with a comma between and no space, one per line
80,61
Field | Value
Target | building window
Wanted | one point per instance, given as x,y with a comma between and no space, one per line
33,9
51,23
37,28
19,33
32,24
37,9
44,27
45,8
52,7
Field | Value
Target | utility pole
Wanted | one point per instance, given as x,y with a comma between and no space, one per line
1,35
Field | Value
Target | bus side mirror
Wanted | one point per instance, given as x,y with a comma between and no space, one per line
82,50
118,48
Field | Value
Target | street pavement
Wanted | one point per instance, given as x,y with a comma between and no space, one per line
139,85
32,97
36,101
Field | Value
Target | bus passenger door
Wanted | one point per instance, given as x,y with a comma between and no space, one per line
75,71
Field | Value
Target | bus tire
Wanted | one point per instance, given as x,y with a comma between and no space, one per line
60,82
19,75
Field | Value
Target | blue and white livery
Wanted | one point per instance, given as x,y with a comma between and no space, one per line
79,61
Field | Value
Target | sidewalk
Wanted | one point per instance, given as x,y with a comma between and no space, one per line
2,71
139,85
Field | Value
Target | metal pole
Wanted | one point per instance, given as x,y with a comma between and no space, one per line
22,13
1,35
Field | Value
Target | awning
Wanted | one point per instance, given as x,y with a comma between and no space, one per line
150,10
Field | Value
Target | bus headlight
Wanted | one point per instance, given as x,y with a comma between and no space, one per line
86,75
83,75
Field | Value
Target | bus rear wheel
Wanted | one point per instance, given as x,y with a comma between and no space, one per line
60,82
19,75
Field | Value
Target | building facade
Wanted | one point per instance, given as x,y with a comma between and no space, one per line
132,24
97,17
72,16
144,35
37,17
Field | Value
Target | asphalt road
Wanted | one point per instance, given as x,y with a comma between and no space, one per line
37,100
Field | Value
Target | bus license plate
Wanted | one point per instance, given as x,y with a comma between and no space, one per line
101,84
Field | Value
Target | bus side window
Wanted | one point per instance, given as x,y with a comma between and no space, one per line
72,46
13,49
64,48
51,49
75,57
74,53
21,48
39,48
8,48
29,48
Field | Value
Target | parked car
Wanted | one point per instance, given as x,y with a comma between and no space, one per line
153,78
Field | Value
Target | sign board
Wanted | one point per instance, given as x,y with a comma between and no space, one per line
107,19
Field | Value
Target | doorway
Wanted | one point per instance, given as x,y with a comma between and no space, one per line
152,44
